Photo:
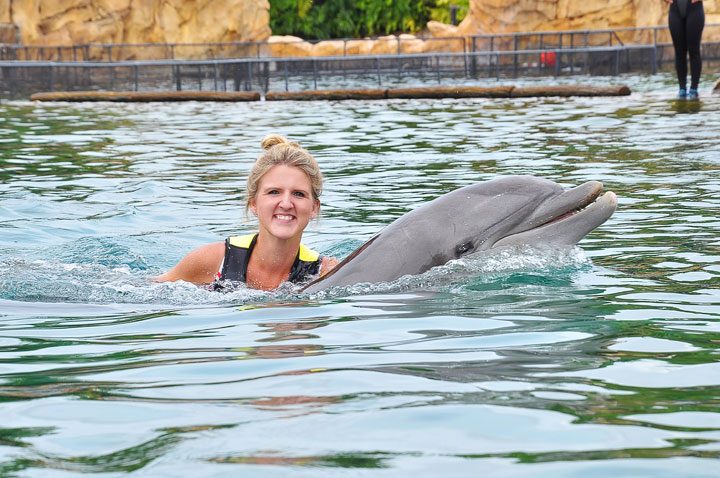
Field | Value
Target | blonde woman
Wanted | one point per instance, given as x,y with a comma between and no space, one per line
283,191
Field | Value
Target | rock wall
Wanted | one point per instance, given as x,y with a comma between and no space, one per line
508,16
73,22
504,16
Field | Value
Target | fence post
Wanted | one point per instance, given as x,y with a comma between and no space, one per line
215,75
617,62
249,82
314,64
465,62
286,75
653,59
377,67
135,76
266,72
473,59
52,78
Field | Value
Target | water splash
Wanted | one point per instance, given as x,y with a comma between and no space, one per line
104,271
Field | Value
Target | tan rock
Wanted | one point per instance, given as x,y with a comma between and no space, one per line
328,48
359,47
410,44
385,45
5,11
438,29
452,44
66,22
501,16
287,45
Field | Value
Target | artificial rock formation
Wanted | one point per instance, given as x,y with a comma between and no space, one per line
506,16
75,22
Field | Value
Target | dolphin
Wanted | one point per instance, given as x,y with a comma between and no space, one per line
507,211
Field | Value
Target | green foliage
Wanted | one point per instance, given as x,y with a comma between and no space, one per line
322,19
440,11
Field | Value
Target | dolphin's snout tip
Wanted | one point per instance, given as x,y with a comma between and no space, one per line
611,198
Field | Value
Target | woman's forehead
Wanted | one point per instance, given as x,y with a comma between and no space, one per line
283,175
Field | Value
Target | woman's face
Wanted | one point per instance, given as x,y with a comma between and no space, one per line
284,202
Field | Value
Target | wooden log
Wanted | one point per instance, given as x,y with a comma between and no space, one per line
569,90
716,88
312,95
350,94
451,92
147,96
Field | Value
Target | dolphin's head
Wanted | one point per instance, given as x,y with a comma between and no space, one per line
502,212
528,210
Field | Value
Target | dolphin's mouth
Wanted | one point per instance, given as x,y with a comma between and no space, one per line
588,201
568,217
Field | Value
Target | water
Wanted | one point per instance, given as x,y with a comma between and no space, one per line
593,361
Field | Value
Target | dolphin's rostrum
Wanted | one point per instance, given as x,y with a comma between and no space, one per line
510,210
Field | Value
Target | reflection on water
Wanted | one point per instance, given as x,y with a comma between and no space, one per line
600,360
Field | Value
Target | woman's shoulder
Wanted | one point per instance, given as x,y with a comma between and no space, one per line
199,266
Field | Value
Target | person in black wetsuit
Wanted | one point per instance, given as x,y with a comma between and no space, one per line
686,19
283,191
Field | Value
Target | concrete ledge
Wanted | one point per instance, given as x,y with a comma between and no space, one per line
147,96
337,95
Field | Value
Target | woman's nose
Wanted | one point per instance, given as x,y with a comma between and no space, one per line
285,201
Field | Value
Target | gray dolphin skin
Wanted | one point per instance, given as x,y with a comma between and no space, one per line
511,210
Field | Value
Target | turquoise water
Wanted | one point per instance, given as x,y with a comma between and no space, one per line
600,360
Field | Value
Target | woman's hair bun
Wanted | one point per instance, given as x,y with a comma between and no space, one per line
274,139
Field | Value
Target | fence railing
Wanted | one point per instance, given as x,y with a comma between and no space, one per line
397,45
22,78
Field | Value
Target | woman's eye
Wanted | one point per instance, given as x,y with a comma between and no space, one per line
273,191
299,194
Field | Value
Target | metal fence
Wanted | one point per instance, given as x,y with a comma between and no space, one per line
20,78
400,45
582,38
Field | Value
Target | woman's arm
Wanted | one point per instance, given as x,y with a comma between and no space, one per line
199,266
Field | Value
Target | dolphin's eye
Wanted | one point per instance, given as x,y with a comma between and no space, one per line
461,249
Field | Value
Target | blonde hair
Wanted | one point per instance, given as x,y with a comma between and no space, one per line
281,151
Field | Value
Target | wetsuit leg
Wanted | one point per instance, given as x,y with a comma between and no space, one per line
679,35
694,24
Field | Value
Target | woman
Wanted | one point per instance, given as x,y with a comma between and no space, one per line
283,191
686,19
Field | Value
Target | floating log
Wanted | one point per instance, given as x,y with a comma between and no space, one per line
451,92
147,96
569,90
350,94
313,95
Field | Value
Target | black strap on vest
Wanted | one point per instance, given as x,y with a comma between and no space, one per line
236,262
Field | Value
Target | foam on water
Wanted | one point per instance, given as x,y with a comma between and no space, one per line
105,270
